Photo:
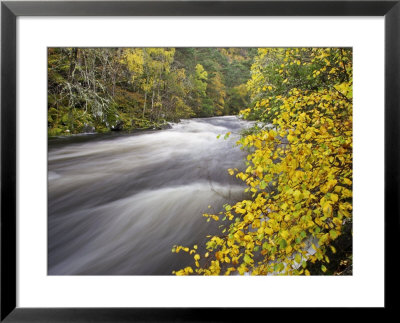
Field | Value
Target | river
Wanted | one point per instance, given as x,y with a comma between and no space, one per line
118,203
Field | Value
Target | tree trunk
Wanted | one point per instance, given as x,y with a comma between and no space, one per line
144,105
72,62
152,103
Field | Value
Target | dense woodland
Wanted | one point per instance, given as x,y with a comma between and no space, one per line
103,89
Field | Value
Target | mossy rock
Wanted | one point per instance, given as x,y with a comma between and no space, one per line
55,132
102,129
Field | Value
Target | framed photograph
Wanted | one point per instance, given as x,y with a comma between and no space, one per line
195,159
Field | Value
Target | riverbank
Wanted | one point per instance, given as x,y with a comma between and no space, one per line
118,126
121,128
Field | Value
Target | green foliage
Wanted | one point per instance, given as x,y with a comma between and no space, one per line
276,71
237,98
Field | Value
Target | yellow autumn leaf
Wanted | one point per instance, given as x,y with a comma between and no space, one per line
327,209
334,197
268,231
347,181
285,234
297,195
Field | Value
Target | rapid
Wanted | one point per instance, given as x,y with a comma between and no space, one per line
118,203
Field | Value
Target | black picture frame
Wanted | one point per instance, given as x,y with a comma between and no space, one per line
10,10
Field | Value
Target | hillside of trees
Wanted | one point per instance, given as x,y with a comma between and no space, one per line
105,89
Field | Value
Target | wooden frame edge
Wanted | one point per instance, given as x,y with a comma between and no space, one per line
11,10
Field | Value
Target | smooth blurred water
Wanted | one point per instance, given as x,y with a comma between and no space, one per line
118,203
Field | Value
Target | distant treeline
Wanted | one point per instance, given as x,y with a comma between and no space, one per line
103,89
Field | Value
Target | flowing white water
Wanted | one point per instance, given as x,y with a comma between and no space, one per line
118,204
